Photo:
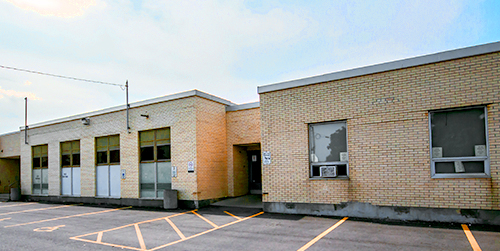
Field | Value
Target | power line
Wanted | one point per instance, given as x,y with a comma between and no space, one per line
60,76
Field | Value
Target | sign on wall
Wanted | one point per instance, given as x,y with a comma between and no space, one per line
123,174
266,157
174,171
190,166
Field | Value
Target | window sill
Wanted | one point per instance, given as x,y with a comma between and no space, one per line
336,178
461,176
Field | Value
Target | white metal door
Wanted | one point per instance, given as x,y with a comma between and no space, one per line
66,178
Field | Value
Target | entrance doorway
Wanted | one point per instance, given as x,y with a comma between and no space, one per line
254,172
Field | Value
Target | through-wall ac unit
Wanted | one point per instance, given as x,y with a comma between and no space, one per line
328,171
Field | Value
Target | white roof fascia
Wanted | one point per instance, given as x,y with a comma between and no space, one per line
242,106
180,95
389,66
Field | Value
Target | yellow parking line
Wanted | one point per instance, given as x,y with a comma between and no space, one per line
205,219
139,237
205,232
37,209
99,237
65,217
5,219
471,238
322,235
18,205
232,215
175,228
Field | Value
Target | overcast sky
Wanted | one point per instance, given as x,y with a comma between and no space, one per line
225,48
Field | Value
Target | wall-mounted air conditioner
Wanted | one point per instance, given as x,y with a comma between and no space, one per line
328,171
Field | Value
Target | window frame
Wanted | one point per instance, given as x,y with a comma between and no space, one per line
71,152
40,167
108,151
155,146
485,159
328,163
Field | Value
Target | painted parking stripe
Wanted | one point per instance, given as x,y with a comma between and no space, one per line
4,219
21,204
139,236
238,218
208,231
38,209
322,235
205,219
66,217
175,228
471,238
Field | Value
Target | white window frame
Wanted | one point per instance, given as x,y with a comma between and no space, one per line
485,159
331,163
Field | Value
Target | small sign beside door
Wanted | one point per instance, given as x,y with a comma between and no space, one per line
123,174
266,157
174,171
190,166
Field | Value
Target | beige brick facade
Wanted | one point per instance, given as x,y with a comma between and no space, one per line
388,136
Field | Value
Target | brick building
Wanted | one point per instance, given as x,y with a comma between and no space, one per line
414,139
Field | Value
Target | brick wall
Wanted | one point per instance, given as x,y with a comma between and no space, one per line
243,128
388,136
9,145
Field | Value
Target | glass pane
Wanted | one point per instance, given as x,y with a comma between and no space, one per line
75,146
102,157
163,134
45,162
147,153
36,162
45,177
76,159
114,140
163,152
65,160
37,150
66,147
146,136
164,178
464,167
114,156
458,133
44,149
102,142
327,141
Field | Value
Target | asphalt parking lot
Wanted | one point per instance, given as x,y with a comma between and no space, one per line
37,226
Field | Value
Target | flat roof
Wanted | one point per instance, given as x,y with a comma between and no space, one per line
242,107
389,66
166,98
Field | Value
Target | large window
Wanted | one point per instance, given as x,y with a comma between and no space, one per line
155,162
40,164
459,143
108,178
70,168
328,150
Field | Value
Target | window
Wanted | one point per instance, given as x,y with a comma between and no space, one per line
328,150
155,162
70,154
40,164
459,143
108,178
108,150
70,168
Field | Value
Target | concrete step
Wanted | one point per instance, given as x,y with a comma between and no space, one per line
4,197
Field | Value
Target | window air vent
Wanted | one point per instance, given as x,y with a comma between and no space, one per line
328,171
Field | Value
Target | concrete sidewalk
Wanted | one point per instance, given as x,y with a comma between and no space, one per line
246,201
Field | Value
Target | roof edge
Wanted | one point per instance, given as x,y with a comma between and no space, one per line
242,107
166,98
383,67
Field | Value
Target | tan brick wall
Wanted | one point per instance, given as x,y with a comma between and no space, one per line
211,149
388,136
243,128
178,114
9,145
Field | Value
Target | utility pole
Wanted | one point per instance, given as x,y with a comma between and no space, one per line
128,106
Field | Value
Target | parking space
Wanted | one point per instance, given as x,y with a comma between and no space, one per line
35,226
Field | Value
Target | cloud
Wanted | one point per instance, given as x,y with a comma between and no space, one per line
17,94
58,8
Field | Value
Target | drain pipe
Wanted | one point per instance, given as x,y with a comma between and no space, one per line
128,106
26,120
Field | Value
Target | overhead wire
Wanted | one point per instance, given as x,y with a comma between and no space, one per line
61,76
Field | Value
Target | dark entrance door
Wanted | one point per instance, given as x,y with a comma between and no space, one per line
255,174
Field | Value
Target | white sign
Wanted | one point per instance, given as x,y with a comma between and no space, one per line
254,158
343,156
174,171
266,157
459,167
437,152
123,174
190,166
480,150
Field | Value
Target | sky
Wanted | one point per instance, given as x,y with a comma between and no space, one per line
224,48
